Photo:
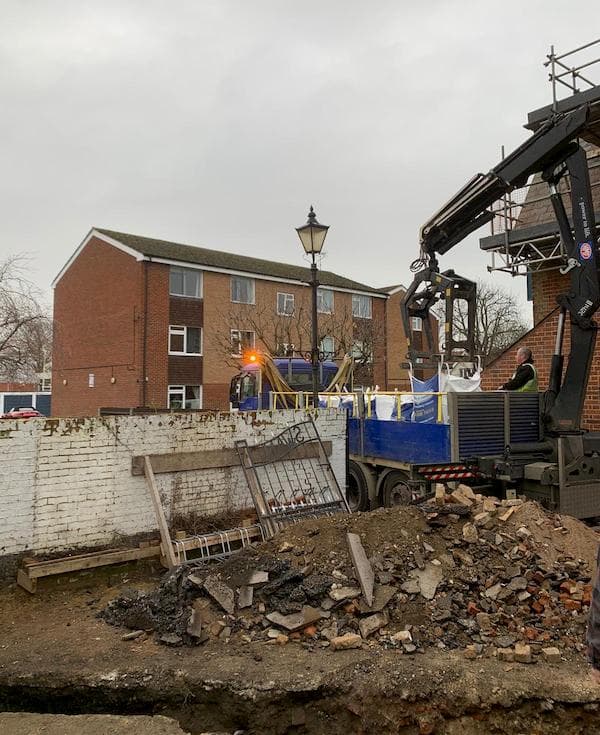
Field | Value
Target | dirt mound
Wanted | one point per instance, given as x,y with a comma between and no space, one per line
505,579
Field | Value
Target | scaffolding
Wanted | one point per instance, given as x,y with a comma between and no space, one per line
515,247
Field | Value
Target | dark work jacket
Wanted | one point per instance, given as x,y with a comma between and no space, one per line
523,374
593,629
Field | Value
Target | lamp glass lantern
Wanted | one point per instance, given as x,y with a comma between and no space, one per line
312,234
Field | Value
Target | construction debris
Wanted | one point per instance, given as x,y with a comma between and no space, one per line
408,579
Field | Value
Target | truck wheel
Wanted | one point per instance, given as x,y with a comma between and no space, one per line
396,490
358,493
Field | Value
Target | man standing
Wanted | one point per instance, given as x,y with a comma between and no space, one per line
524,378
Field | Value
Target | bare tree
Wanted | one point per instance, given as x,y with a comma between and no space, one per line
498,321
25,327
280,335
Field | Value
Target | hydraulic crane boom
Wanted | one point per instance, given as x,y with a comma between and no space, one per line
553,151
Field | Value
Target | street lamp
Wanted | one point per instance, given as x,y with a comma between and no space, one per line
312,235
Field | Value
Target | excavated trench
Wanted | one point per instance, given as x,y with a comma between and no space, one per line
443,697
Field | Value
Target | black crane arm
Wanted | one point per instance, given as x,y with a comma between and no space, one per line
469,207
554,152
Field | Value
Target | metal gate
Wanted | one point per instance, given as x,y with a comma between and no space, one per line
290,478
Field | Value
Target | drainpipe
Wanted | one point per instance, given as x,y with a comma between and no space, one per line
145,333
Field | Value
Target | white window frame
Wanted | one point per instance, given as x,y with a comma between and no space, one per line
187,271
173,390
320,292
178,330
329,354
416,324
252,283
359,301
239,333
287,298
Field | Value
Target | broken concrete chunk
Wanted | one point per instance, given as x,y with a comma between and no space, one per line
258,577
523,533
344,593
373,623
470,534
493,591
194,627
245,596
411,586
296,621
363,568
429,579
285,547
505,654
517,584
342,643
489,505
466,491
522,653
481,519
132,636
402,636
461,499
220,593
552,655
383,595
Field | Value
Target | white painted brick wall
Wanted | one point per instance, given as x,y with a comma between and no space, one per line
67,483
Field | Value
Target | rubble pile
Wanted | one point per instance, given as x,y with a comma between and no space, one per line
502,578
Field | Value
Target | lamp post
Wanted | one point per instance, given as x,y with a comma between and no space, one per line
312,235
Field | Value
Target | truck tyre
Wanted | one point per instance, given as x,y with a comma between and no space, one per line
396,489
358,490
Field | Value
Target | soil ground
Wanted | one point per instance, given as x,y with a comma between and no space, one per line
57,656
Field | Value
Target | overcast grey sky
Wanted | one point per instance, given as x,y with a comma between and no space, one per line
217,123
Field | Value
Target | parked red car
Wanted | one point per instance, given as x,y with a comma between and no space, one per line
25,412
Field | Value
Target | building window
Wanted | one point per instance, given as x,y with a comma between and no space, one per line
285,304
325,301
185,340
185,396
327,347
361,306
185,282
241,340
416,324
242,290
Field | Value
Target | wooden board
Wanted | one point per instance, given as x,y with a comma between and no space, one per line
160,514
213,458
31,571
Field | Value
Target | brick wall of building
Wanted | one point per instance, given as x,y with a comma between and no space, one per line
67,483
96,331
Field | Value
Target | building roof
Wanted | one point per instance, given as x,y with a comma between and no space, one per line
393,289
153,248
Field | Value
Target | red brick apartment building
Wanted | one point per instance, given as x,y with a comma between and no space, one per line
533,244
146,322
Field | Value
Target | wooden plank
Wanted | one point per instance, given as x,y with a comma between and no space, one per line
215,458
88,561
24,581
160,514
